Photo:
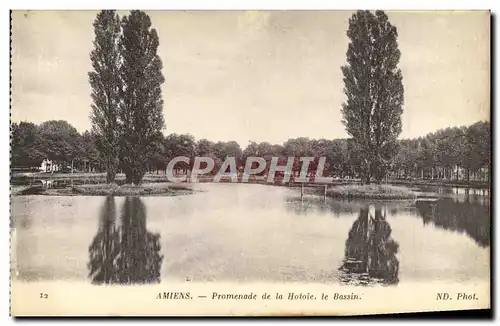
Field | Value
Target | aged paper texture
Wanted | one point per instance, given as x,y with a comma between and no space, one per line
249,163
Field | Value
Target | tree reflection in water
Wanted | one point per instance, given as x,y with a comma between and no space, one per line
471,217
128,253
370,253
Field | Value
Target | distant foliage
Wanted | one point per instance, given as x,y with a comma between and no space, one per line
55,140
60,140
374,90
27,150
452,153
179,145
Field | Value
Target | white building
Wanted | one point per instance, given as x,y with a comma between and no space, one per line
49,166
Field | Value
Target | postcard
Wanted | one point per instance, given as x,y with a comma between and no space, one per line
249,163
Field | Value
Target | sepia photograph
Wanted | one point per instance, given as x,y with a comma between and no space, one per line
249,163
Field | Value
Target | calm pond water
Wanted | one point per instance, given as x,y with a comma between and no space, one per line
249,232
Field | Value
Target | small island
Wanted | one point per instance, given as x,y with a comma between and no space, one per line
147,189
106,189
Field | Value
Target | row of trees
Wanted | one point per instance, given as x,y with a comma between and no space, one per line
458,153
451,153
54,140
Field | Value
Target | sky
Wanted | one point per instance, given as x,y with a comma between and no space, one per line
258,75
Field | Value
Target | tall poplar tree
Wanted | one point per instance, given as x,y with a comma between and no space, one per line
142,113
106,86
374,90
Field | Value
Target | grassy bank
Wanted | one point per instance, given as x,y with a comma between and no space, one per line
131,190
443,183
371,192
154,189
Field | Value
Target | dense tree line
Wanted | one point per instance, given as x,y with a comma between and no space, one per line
458,153
57,141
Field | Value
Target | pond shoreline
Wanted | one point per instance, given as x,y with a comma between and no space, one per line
168,189
100,178
157,189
